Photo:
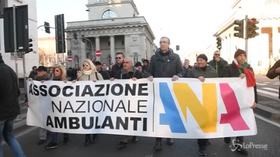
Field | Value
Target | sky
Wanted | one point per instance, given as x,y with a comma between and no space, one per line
189,23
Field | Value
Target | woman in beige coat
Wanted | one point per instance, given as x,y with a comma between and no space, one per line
89,72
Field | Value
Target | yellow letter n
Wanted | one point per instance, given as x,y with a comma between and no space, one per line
205,113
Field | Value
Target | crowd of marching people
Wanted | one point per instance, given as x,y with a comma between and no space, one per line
163,64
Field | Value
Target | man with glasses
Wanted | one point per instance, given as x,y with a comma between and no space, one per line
116,69
218,63
165,63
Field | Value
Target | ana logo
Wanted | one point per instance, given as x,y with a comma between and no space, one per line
205,113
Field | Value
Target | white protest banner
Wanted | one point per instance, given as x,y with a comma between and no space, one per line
182,109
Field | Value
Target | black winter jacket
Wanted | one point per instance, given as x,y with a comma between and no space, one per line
165,65
9,93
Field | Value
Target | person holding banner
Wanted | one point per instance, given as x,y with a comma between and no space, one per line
128,73
89,73
240,68
42,75
165,63
59,74
202,71
9,108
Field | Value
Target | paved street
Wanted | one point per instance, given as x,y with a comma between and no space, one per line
269,103
106,145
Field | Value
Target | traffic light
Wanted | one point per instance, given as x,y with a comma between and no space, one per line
219,43
177,47
59,33
30,45
252,28
47,27
239,27
21,31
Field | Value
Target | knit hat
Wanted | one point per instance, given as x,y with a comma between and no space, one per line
202,56
42,68
239,52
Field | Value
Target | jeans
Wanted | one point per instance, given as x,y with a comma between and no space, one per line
43,134
6,129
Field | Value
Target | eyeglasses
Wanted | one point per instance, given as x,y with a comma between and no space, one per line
118,57
163,42
217,54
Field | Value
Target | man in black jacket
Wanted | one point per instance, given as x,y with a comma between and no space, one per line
9,107
165,63
127,72
117,67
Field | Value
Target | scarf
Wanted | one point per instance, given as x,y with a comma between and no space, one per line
89,72
247,70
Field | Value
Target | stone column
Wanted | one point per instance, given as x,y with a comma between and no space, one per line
112,48
97,47
82,55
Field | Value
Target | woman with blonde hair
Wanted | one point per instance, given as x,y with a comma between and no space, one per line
58,74
89,72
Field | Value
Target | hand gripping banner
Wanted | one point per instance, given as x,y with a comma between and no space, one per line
187,108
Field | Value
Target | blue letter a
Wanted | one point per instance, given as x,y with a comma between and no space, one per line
171,116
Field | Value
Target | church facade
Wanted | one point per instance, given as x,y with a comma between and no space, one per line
113,26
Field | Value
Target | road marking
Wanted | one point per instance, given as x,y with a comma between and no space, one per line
271,89
276,83
261,84
25,132
267,93
267,120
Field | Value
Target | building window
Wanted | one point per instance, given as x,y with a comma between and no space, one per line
109,14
